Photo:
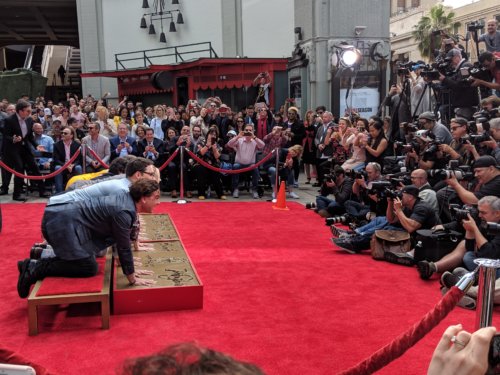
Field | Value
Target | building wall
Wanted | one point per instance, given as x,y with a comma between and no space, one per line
324,25
256,28
402,24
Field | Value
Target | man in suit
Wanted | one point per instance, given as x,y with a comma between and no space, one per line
64,150
323,152
78,231
122,144
151,147
17,152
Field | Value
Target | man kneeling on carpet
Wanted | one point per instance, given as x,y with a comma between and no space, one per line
78,231
406,214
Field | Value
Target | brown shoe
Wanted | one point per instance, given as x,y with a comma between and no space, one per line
189,194
174,194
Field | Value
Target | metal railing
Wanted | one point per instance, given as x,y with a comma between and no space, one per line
166,55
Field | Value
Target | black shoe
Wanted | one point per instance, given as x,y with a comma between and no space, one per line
449,279
25,280
399,258
4,192
36,252
20,265
346,244
44,195
20,198
425,269
316,184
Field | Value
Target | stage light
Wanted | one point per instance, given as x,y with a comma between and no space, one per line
346,56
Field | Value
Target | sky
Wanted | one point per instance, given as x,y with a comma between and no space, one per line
458,3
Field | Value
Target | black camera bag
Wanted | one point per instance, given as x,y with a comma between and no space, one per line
432,245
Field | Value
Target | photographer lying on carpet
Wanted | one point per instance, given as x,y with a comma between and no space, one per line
78,231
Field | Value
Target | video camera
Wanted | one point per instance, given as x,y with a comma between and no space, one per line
430,73
475,71
404,68
475,26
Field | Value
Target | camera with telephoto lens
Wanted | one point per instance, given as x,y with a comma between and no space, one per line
342,219
460,213
379,188
478,138
443,66
444,174
355,175
404,68
492,229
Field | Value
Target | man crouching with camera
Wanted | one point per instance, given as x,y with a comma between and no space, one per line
477,243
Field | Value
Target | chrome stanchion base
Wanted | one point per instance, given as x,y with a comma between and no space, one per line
181,201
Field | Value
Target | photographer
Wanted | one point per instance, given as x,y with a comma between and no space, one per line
421,100
426,194
427,120
490,63
463,97
492,36
367,201
459,149
476,244
340,186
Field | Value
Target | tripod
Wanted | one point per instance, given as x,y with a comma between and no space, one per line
430,90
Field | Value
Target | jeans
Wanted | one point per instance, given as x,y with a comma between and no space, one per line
356,209
468,260
254,172
59,179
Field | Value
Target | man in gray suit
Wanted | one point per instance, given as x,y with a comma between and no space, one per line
80,230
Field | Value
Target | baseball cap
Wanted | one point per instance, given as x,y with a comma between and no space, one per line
47,111
485,161
231,132
427,116
412,190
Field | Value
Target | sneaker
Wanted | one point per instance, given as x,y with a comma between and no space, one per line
346,244
467,302
293,195
296,185
201,197
25,279
255,195
341,233
449,279
236,193
425,269
399,258
324,213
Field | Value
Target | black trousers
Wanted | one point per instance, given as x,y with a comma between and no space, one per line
20,161
86,267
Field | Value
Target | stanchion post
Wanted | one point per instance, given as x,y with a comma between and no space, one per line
181,199
486,291
83,149
276,177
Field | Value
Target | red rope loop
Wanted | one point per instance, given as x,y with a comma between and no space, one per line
97,158
167,162
230,171
44,177
407,339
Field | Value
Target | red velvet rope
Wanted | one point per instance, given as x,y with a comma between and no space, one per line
97,158
167,162
406,340
231,171
44,177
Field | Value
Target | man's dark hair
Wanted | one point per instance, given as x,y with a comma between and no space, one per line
321,108
143,188
486,56
250,106
22,104
189,359
71,121
118,165
137,165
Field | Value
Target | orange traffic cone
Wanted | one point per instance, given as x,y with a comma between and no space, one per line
281,201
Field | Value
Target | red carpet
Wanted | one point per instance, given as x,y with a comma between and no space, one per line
277,293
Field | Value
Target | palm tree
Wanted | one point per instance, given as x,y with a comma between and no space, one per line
427,31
